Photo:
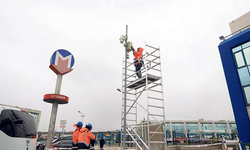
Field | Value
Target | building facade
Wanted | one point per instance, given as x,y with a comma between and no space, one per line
235,56
197,131
200,131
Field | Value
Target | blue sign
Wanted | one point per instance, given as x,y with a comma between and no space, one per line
63,54
62,61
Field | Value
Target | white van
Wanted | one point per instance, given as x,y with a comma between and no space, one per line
17,129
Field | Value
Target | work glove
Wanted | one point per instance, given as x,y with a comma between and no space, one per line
132,48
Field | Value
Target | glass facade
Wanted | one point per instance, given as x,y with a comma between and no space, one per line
221,129
178,126
207,131
233,130
241,55
178,130
196,132
192,131
168,130
207,127
167,126
192,127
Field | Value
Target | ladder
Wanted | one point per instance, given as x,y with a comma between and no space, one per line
144,99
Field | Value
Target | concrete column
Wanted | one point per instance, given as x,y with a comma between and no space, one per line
52,122
171,129
228,129
199,126
215,135
185,129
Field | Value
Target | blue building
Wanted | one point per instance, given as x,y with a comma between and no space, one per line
235,56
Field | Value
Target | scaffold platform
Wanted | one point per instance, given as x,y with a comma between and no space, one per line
142,81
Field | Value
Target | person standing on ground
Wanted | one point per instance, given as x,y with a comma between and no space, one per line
76,134
84,137
138,62
92,144
102,142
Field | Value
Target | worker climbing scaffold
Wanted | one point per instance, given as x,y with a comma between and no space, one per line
138,62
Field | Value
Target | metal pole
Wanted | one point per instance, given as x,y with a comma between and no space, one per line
109,137
53,113
82,115
125,93
62,136
148,119
144,132
119,133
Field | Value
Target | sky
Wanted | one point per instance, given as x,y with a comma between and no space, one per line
187,32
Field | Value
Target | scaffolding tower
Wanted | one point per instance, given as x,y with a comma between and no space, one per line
144,100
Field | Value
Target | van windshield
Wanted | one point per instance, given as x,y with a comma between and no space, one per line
16,123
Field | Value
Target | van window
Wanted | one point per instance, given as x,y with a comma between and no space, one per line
15,123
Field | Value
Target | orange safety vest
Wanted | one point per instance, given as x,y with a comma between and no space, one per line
75,134
84,136
138,55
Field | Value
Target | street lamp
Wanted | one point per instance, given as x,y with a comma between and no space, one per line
109,137
167,136
119,136
201,136
213,136
82,115
102,133
167,133
174,136
188,136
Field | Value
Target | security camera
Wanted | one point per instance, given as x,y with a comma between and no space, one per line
122,39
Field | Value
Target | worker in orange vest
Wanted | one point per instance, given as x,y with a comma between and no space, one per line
138,62
85,136
76,134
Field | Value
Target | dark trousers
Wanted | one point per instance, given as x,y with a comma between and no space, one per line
138,70
82,146
74,146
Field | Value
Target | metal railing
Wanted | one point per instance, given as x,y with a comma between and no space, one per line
223,38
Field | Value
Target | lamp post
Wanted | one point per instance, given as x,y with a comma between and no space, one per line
119,136
188,136
167,136
201,136
102,133
109,137
212,137
122,40
174,136
82,115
